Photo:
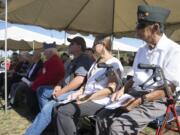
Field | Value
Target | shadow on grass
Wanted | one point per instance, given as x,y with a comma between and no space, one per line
22,110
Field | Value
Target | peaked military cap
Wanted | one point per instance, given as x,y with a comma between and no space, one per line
147,13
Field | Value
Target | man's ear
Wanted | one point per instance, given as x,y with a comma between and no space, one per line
156,28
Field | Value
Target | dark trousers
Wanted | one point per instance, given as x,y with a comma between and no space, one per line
117,122
2,81
32,101
68,115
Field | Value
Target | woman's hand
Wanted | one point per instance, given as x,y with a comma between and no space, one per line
82,99
74,95
115,96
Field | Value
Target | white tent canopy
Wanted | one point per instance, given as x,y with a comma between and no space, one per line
27,36
127,44
118,44
124,47
21,45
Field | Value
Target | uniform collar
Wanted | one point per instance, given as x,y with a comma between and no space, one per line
161,45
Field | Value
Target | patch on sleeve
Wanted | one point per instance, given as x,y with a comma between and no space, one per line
44,70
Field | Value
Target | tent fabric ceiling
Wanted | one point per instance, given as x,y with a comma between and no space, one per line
117,17
25,46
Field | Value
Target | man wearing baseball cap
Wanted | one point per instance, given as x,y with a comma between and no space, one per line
79,41
74,78
146,102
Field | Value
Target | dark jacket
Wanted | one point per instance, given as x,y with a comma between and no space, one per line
35,71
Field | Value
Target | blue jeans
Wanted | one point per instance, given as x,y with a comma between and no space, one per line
44,94
43,119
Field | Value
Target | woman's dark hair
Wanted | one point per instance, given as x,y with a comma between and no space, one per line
105,40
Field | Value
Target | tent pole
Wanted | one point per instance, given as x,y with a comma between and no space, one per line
118,54
65,36
5,84
33,45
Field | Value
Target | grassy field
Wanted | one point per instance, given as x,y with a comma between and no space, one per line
17,120
14,122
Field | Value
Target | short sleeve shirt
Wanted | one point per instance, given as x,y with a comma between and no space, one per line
98,80
78,67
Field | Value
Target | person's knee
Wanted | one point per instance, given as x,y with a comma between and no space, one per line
40,91
44,92
65,111
118,130
48,107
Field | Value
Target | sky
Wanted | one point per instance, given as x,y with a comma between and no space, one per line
56,34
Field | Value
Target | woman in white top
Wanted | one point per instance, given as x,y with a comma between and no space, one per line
94,94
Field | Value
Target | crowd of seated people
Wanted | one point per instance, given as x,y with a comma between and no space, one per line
94,93
19,67
30,72
75,76
87,91
18,88
89,86
80,82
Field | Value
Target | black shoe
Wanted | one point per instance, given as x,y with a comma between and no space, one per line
9,106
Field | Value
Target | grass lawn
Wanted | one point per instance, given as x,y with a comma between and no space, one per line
17,120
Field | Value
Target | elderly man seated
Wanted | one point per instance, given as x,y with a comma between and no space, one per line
18,88
51,73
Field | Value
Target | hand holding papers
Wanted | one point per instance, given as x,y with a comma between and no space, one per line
66,101
120,102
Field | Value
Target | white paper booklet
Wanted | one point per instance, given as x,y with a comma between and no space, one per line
65,101
121,101
25,80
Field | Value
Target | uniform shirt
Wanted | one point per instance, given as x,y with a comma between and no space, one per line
51,73
97,80
166,54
